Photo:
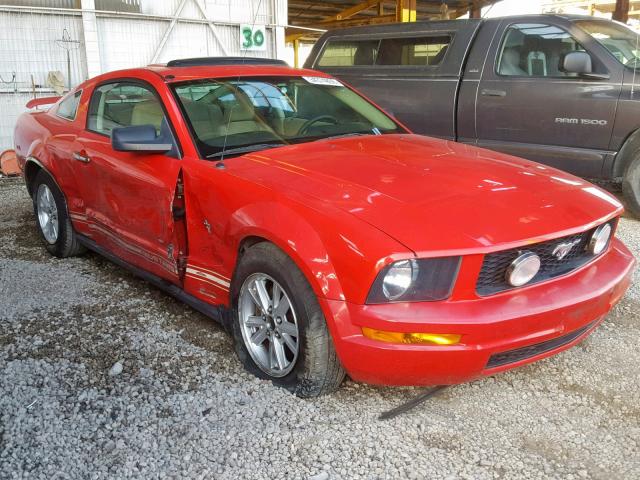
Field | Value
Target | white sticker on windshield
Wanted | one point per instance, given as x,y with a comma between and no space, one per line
332,82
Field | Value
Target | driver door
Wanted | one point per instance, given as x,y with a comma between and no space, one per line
129,196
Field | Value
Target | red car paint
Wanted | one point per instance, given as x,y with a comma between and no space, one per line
342,209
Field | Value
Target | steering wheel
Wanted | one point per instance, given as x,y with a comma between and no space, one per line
305,127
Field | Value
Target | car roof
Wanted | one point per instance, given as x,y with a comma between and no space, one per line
176,74
187,73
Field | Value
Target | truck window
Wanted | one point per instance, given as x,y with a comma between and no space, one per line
403,51
349,53
422,51
535,50
620,40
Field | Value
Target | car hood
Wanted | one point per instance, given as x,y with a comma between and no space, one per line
434,195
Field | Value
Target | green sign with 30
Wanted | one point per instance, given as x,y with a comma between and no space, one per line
253,37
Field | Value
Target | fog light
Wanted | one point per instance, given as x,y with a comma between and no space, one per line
600,239
523,269
399,337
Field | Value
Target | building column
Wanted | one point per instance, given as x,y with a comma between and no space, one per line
281,11
621,12
90,34
405,10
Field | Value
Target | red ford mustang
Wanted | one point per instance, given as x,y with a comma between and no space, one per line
322,233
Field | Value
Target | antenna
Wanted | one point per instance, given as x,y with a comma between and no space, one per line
244,54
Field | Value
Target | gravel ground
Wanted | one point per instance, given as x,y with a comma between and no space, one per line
103,376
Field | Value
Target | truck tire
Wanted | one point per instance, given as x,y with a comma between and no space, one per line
52,218
279,330
631,187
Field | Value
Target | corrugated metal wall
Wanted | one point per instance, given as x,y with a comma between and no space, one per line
30,46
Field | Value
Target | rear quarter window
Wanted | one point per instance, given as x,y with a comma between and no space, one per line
69,106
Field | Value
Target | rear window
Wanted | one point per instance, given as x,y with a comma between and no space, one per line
404,51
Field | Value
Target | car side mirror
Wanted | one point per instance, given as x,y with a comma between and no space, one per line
581,64
140,138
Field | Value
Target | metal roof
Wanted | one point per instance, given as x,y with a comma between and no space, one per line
315,12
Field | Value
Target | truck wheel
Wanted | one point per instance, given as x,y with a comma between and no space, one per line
631,187
279,330
52,219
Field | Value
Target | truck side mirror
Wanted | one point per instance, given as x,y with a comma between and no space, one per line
577,62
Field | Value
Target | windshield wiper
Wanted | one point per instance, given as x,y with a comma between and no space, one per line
343,135
245,149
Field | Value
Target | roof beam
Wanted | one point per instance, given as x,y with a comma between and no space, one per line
351,11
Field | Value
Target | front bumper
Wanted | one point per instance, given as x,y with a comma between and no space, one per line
546,318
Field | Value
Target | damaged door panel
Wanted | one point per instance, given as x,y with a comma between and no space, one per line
130,196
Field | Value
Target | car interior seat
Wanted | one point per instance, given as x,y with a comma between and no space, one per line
536,58
206,119
147,112
365,54
241,118
510,62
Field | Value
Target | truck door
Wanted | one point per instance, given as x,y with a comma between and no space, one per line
130,197
527,105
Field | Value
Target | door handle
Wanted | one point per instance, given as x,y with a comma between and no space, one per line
493,93
80,157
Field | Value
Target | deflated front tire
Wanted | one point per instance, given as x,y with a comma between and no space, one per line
279,330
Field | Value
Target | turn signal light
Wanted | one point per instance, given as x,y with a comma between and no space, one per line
399,337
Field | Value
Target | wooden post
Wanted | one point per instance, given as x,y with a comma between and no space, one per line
475,10
621,12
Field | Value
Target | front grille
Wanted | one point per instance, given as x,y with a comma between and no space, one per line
513,356
492,277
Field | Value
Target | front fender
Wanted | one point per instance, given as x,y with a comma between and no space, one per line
339,254
295,236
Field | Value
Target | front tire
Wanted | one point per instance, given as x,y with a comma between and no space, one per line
279,330
52,219
631,187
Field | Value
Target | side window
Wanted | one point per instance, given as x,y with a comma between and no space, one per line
349,53
535,50
69,106
123,104
420,51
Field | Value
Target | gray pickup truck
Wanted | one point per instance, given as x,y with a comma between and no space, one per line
560,90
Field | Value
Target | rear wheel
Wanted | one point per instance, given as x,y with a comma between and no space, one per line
52,219
279,329
631,187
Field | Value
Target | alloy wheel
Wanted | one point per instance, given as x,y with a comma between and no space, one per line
269,325
47,213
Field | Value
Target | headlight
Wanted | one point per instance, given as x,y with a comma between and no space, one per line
415,280
600,239
523,269
399,278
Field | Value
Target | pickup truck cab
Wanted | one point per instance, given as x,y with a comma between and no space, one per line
560,90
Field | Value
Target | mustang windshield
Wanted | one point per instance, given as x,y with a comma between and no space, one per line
227,115
621,41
